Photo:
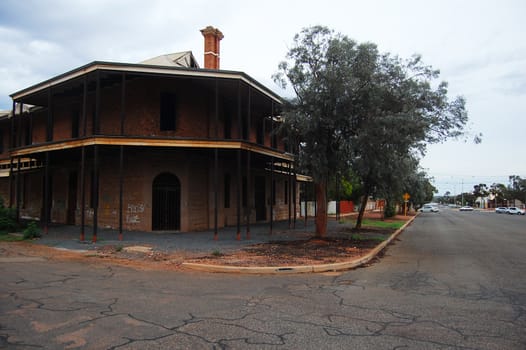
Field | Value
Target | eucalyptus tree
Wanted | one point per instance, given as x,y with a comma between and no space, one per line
403,110
321,70
357,108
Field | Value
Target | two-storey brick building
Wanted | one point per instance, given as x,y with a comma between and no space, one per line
160,145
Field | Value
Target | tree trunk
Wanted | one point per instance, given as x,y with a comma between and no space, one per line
362,210
321,212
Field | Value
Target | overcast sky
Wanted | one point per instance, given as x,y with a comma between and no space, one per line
479,47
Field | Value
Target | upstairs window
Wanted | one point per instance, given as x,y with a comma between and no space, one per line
168,111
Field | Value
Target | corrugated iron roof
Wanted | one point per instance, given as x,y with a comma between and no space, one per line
183,59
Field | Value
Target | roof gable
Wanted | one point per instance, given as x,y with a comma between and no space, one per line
179,59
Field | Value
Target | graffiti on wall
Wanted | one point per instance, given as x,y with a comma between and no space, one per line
134,213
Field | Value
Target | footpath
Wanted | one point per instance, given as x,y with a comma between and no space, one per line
65,238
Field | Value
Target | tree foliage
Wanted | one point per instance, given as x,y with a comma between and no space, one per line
356,108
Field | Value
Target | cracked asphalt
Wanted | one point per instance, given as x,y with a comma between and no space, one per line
451,281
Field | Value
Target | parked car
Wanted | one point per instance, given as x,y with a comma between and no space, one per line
429,209
466,208
501,210
515,210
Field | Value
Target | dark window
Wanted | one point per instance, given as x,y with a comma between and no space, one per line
168,111
1,141
227,190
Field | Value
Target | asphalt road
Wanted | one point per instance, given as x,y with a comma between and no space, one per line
452,281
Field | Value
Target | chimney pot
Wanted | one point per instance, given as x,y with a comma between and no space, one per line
212,38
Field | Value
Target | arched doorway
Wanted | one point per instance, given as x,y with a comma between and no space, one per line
166,202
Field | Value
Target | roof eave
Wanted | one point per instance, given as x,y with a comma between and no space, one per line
144,68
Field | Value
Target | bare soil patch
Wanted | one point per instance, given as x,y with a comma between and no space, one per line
338,247
341,245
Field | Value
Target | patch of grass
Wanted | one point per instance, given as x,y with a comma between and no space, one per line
395,225
358,237
217,253
11,238
119,248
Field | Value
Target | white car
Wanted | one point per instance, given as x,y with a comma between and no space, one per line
429,209
515,210
501,210
466,208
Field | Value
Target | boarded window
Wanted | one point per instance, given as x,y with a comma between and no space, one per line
168,111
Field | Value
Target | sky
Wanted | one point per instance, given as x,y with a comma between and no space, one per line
478,46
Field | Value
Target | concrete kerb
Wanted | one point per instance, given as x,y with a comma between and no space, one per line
346,265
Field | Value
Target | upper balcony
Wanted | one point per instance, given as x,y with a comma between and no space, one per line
148,105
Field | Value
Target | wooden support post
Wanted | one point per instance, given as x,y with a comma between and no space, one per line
84,106
121,151
123,101
96,121
11,174
12,140
248,196
18,188
249,202
338,205
294,196
216,159
82,192
272,189
49,122
289,193
315,200
19,128
95,192
306,201
216,190
46,195
121,186
238,156
239,185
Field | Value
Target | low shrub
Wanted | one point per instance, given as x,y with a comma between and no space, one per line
7,219
32,231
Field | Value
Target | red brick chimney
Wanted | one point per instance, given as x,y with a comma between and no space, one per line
212,37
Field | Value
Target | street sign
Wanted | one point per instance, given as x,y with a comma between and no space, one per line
406,196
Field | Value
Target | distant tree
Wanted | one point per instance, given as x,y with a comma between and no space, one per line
499,192
399,114
345,187
480,190
421,189
517,188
